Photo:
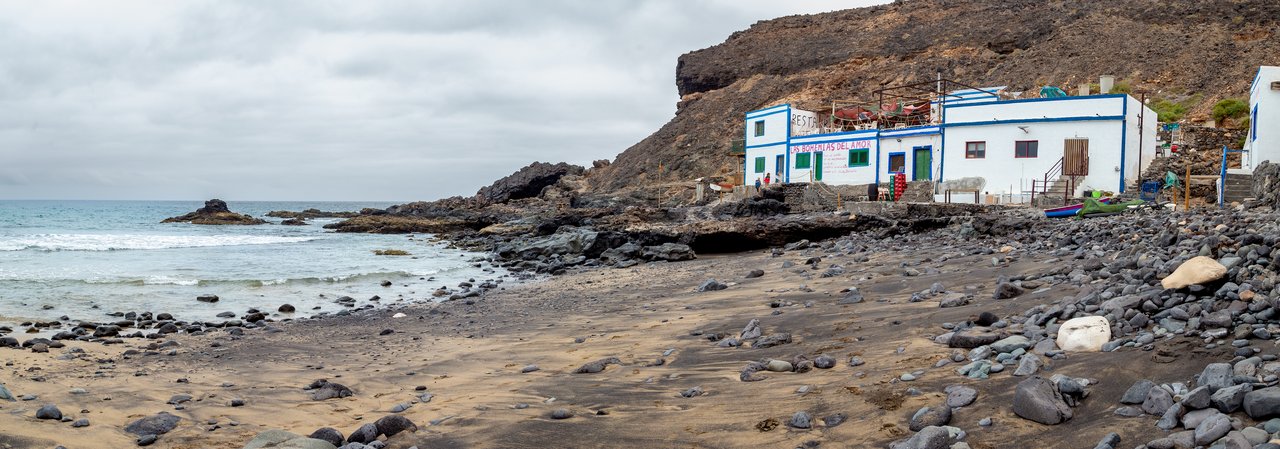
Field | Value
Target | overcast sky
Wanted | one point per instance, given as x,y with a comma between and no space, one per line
335,100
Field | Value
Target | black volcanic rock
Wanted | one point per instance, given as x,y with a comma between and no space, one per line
527,182
215,212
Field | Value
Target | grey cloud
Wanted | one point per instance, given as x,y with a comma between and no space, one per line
396,100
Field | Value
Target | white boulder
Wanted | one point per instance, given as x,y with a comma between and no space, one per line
1197,270
1084,334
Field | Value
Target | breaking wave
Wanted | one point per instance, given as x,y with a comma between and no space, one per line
118,242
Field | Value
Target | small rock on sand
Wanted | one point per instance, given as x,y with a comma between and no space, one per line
597,366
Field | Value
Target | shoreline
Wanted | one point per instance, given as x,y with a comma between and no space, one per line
470,358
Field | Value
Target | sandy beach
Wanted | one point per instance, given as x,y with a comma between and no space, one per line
469,356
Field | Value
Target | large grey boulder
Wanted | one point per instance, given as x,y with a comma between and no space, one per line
1137,393
1230,399
1216,376
927,438
1037,399
279,439
1214,427
1157,402
930,416
969,339
1262,403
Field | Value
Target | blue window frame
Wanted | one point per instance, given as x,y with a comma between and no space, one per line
898,162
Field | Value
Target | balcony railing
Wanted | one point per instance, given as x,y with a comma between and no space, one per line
738,147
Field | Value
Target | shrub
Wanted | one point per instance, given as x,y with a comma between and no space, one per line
1230,108
1168,111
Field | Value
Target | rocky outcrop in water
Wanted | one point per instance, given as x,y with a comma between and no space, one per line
215,212
528,182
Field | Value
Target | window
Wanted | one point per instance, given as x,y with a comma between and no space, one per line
1026,148
975,150
759,128
802,160
859,158
760,164
897,162
1253,123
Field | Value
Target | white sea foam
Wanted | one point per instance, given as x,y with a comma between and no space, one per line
113,242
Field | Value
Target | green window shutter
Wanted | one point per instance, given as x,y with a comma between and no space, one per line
759,128
859,158
802,160
760,165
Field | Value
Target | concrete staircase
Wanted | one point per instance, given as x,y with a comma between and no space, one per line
1239,186
1055,195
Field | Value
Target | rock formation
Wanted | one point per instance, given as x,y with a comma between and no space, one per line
808,60
215,212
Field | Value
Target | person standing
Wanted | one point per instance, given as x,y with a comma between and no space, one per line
766,179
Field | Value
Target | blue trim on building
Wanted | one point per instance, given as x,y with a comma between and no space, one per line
871,132
1257,76
1036,100
1124,138
904,162
1253,123
877,164
896,132
752,147
753,117
788,141
1094,118
780,107
922,133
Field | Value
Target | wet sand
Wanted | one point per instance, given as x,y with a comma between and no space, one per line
470,356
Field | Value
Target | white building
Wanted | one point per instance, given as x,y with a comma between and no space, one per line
1263,142
1006,143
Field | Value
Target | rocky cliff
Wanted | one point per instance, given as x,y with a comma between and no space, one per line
1171,49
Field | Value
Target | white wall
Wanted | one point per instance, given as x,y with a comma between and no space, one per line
769,153
776,122
1141,127
1050,122
1006,173
1037,109
835,157
1263,141
903,141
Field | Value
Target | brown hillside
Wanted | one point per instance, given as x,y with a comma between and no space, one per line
1171,49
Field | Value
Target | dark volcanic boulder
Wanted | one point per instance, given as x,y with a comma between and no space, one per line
392,424
332,435
1038,400
597,366
323,389
215,212
671,252
753,207
527,182
153,425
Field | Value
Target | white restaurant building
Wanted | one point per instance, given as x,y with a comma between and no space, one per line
973,134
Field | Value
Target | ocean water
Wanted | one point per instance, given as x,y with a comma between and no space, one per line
85,259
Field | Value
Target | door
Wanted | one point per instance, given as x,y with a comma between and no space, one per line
817,166
779,166
1075,157
922,163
